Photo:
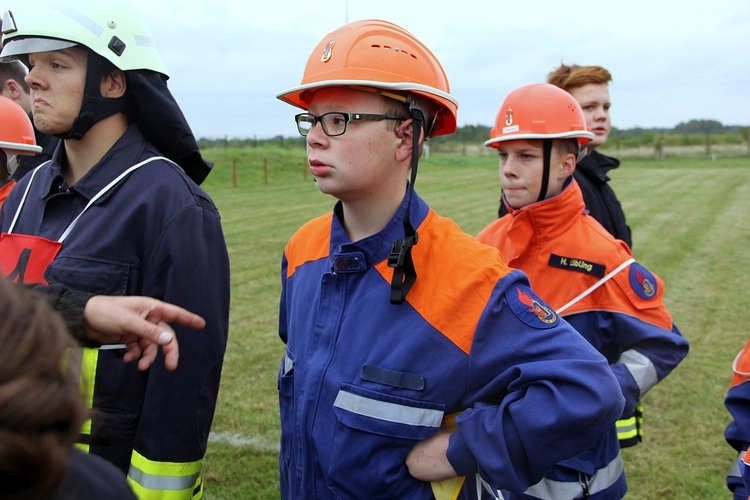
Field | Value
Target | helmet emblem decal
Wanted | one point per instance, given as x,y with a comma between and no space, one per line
509,117
327,52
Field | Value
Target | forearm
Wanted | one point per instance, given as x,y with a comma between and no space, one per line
70,304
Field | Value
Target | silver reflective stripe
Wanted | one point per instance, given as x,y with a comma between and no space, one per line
563,490
110,347
288,364
641,368
390,412
481,483
734,470
169,483
625,428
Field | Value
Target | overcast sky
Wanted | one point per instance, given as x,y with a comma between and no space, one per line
671,60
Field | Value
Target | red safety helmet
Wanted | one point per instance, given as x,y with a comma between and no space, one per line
539,111
375,54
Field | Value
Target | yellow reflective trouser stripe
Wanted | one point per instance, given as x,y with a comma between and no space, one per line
87,379
626,428
165,480
631,427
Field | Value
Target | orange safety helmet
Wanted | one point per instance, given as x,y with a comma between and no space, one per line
16,132
376,54
539,111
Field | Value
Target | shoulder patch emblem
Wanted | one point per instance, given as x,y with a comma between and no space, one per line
529,308
580,265
642,281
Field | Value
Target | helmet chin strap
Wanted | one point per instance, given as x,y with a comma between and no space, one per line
547,143
404,273
94,107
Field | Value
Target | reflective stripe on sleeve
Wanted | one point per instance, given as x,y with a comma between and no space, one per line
600,481
165,480
734,469
390,412
641,368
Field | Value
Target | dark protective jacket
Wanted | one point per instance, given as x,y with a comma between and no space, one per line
600,199
153,233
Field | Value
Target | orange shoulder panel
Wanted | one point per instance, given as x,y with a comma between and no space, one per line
455,278
310,242
741,366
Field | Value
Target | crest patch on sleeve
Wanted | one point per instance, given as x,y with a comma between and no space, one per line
643,282
529,308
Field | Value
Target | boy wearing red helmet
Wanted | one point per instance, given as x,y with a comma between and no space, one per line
585,274
417,365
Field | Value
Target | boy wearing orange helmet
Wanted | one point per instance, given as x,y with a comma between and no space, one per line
589,85
417,364
585,274
16,138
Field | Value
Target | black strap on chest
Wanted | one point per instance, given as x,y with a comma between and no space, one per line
404,273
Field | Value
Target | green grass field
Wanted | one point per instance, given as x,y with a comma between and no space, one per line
691,225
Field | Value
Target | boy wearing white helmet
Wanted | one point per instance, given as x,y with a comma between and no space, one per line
135,321
117,211
417,365
582,271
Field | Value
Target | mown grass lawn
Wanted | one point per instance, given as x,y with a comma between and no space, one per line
691,225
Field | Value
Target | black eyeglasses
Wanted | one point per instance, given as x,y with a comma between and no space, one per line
334,123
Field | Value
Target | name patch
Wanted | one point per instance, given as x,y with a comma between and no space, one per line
580,265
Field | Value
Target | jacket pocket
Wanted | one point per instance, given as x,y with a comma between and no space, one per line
90,275
374,433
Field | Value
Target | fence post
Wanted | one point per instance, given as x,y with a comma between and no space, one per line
265,171
234,173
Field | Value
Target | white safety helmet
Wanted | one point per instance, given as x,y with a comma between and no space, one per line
114,30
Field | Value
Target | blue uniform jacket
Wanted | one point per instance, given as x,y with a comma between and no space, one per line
737,432
158,234
363,380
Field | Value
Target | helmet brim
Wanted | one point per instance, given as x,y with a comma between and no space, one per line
24,46
20,149
583,137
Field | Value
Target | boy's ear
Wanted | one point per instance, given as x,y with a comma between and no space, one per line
404,132
13,87
114,85
568,165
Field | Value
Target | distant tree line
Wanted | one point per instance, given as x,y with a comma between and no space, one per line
685,133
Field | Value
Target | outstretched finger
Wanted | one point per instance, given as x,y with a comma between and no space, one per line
175,314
